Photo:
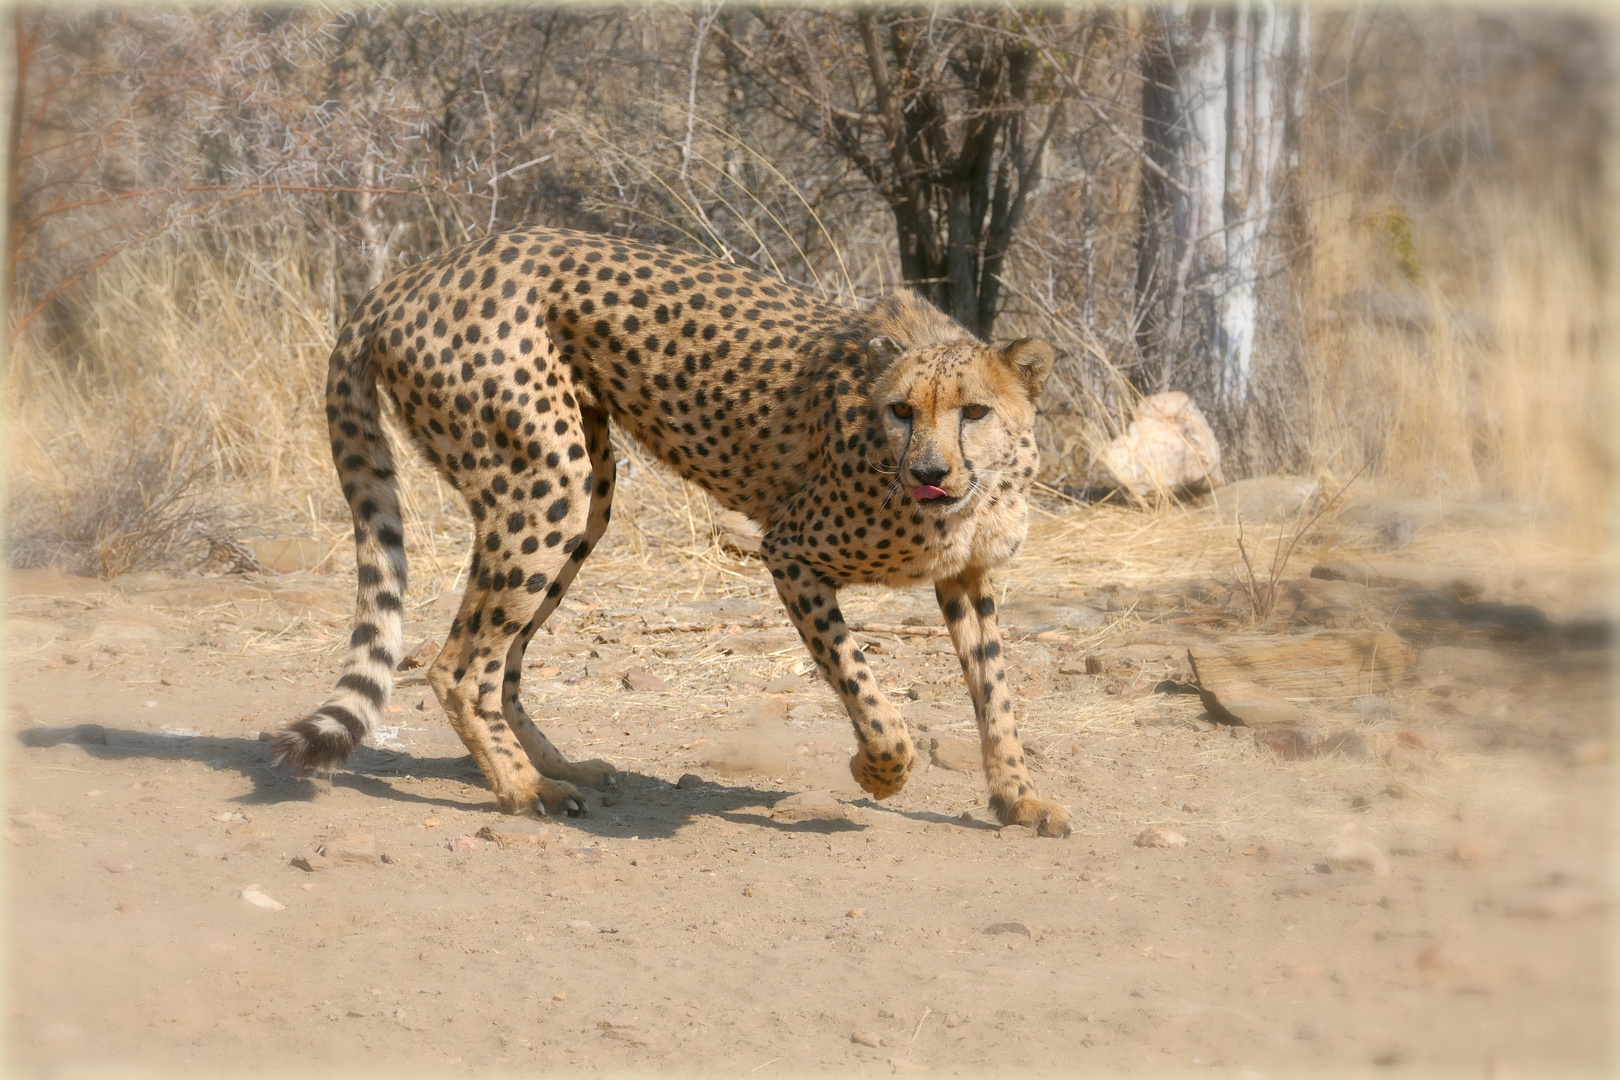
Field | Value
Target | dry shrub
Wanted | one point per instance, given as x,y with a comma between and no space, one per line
137,502
172,396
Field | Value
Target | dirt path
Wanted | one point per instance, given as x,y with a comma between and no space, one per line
770,920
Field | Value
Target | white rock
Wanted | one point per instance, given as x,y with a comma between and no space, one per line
253,896
1352,854
1169,447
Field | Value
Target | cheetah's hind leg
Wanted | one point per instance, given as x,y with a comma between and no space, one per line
542,754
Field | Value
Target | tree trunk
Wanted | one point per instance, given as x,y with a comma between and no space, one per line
1222,101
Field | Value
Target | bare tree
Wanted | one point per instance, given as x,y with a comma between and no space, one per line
948,113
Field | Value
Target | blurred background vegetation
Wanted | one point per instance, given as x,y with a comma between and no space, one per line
198,195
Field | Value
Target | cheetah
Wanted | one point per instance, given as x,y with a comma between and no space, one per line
884,445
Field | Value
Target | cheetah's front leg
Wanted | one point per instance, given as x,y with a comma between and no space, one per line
886,756
970,615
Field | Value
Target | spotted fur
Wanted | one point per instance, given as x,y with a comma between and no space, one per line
507,358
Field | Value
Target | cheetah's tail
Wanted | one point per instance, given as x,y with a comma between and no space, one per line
327,737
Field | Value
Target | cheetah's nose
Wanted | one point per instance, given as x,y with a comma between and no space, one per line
930,477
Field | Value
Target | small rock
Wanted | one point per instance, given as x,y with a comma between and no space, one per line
356,848
853,913
1400,789
688,781
1349,743
253,896
515,832
865,1038
1302,971
1592,752
1239,701
638,680
1439,959
128,908
420,656
468,843
1008,928
119,867
311,861
1290,743
906,1067
559,996
787,684
1469,853
1160,837
1352,854
78,735
955,755
809,806
1361,804
580,926
267,736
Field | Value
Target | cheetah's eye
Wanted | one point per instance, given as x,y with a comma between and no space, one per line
901,410
975,412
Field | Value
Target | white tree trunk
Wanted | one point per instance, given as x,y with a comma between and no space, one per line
1236,89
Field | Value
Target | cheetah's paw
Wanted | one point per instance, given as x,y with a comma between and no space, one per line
883,772
1046,818
595,773
557,797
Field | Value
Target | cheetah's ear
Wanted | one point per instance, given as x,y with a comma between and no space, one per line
883,350
1032,358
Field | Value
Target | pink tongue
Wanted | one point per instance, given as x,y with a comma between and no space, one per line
929,491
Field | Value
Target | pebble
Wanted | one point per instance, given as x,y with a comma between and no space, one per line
853,913
787,684
421,656
636,679
1290,743
688,781
1469,853
117,867
467,843
1592,752
1160,837
514,832
559,996
355,848
1008,928
1352,854
865,1038
809,806
955,755
253,896
580,926
311,861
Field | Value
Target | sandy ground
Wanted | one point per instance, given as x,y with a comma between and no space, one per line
772,920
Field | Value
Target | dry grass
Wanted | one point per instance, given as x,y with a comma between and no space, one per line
185,399
1483,378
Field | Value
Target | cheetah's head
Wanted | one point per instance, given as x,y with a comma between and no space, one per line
959,414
